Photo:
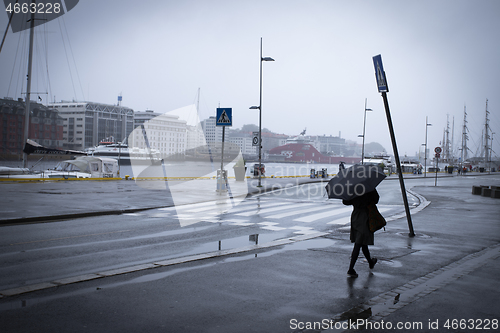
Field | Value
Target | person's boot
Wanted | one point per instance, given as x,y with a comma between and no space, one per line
352,273
373,262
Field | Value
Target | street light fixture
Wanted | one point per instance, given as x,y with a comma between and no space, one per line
425,144
260,111
363,136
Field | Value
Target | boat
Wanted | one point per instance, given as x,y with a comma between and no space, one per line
80,167
124,154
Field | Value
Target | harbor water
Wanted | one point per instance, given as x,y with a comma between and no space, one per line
200,169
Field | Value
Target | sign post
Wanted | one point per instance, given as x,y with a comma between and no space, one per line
224,117
383,88
437,150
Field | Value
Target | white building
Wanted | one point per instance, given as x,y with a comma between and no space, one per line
245,144
194,137
212,132
140,117
85,124
164,133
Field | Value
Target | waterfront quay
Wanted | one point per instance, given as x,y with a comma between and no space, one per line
118,256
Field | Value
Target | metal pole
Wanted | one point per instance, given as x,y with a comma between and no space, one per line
222,160
28,89
425,153
363,147
260,117
398,164
222,151
437,167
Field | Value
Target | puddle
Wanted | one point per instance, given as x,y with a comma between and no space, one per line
392,263
417,235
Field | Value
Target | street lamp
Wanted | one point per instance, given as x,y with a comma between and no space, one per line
363,136
425,144
260,110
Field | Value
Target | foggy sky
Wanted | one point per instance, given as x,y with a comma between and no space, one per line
438,56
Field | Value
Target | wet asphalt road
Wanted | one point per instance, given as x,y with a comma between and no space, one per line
264,290
41,252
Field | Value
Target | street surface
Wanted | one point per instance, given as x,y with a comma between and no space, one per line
35,253
450,267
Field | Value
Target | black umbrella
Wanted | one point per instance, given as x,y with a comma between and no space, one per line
354,181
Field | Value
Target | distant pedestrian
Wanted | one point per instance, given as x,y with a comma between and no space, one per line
341,166
361,235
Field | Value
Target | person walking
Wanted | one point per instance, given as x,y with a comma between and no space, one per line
361,235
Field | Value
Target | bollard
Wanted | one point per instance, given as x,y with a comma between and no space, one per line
476,190
486,192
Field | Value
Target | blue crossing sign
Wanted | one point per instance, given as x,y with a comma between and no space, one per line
380,74
224,117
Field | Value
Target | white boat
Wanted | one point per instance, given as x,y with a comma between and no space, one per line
122,153
81,167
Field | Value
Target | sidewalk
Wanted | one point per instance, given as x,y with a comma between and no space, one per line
448,271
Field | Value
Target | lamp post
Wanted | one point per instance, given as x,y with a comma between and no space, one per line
260,110
425,144
363,136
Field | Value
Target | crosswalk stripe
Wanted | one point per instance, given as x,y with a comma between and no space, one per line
296,211
265,210
329,213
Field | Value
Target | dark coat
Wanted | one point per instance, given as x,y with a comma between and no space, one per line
360,231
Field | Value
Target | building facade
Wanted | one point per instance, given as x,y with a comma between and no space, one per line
86,123
45,128
162,132
212,132
245,144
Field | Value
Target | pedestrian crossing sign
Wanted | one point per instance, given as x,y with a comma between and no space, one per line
380,74
224,117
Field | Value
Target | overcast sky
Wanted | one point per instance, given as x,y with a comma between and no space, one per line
438,55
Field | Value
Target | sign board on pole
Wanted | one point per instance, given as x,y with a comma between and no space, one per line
255,139
437,150
224,117
380,74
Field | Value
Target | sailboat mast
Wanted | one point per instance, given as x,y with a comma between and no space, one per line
464,138
28,88
486,136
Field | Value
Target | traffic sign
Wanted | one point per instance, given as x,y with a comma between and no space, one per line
437,150
380,74
224,117
255,139
438,155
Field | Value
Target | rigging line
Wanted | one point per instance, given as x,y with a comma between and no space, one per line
49,90
24,60
42,47
67,60
73,57
7,30
15,61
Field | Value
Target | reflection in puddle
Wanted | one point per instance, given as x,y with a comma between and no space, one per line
392,263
